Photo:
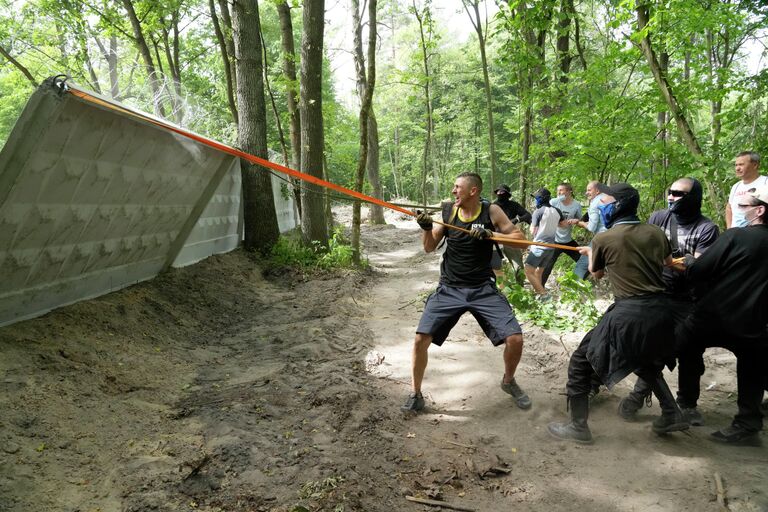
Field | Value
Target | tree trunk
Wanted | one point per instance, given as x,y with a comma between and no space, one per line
226,61
313,223
261,229
564,39
366,81
146,55
476,23
683,127
289,72
377,212
426,154
372,159
18,65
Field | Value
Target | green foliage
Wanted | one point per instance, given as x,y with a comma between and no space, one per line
320,489
290,252
573,310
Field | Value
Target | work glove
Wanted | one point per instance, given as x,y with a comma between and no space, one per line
480,233
425,221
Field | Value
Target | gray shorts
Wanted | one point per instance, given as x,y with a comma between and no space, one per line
539,261
486,303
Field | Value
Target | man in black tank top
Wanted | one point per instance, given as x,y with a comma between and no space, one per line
467,283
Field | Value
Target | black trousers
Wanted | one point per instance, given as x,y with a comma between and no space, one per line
751,365
751,371
556,254
581,375
690,368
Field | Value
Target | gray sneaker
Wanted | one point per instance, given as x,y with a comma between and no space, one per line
414,403
693,416
522,400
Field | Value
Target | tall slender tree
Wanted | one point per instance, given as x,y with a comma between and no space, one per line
261,229
481,28
314,226
366,82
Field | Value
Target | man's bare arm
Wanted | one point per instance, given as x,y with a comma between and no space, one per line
503,225
431,239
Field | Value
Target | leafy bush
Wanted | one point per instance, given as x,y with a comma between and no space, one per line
573,310
290,252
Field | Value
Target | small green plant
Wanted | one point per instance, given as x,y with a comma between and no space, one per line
574,310
320,489
290,252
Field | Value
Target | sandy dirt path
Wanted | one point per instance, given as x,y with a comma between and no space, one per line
213,388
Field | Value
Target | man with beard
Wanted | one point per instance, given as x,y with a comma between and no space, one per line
690,234
636,333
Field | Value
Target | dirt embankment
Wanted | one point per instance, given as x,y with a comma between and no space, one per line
214,388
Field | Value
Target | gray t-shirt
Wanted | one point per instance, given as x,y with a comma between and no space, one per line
569,211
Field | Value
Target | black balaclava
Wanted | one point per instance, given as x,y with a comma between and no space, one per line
687,209
627,201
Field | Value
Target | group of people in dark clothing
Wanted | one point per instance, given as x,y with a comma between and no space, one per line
679,287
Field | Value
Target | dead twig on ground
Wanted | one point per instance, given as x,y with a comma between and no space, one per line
436,503
720,491
468,446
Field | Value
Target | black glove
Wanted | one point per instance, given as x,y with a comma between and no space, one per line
480,233
425,221
689,259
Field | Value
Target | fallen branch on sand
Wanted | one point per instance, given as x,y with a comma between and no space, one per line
436,503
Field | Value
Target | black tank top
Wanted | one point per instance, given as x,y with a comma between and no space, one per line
467,261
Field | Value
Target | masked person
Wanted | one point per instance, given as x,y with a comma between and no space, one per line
690,234
544,223
591,223
516,213
731,284
747,168
467,283
636,332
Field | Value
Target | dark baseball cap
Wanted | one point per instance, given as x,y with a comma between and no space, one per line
503,189
621,191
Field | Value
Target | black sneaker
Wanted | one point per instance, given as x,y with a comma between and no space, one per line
593,394
522,400
414,403
693,416
665,424
734,435
628,408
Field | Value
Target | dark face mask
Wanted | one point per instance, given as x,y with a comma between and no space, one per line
688,208
607,212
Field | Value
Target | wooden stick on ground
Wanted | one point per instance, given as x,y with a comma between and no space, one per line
436,503
720,491
469,446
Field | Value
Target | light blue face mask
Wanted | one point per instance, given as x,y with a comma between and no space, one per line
739,219
561,198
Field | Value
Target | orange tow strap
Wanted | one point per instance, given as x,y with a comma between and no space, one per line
83,95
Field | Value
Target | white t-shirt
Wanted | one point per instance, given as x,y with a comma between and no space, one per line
738,191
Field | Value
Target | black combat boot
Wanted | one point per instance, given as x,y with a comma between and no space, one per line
577,429
672,418
629,405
